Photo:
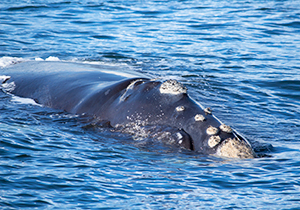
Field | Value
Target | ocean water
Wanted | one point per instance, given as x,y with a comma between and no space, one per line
241,58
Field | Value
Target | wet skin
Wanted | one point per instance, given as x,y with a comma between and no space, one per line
125,99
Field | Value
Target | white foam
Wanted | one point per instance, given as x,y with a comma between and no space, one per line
21,100
7,61
52,58
4,78
8,87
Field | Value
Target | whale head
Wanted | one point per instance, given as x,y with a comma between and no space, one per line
168,103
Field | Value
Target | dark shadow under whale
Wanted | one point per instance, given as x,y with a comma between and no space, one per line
126,100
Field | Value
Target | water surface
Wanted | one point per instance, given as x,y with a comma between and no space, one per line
239,57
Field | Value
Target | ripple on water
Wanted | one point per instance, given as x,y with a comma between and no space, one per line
240,58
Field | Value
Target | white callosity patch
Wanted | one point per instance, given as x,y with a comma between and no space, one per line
226,128
213,141
235,148
199,118
212,130
172,87
208,110
180,108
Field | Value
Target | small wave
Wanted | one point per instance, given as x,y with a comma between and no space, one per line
7,61
24,100
27,8
103,37
52,58
294,24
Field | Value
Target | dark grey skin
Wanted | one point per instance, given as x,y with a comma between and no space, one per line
125,98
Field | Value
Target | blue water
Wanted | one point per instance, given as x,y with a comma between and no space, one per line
241,58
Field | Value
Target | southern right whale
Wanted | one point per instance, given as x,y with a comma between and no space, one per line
126,99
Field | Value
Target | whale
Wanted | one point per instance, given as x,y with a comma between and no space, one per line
128,101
